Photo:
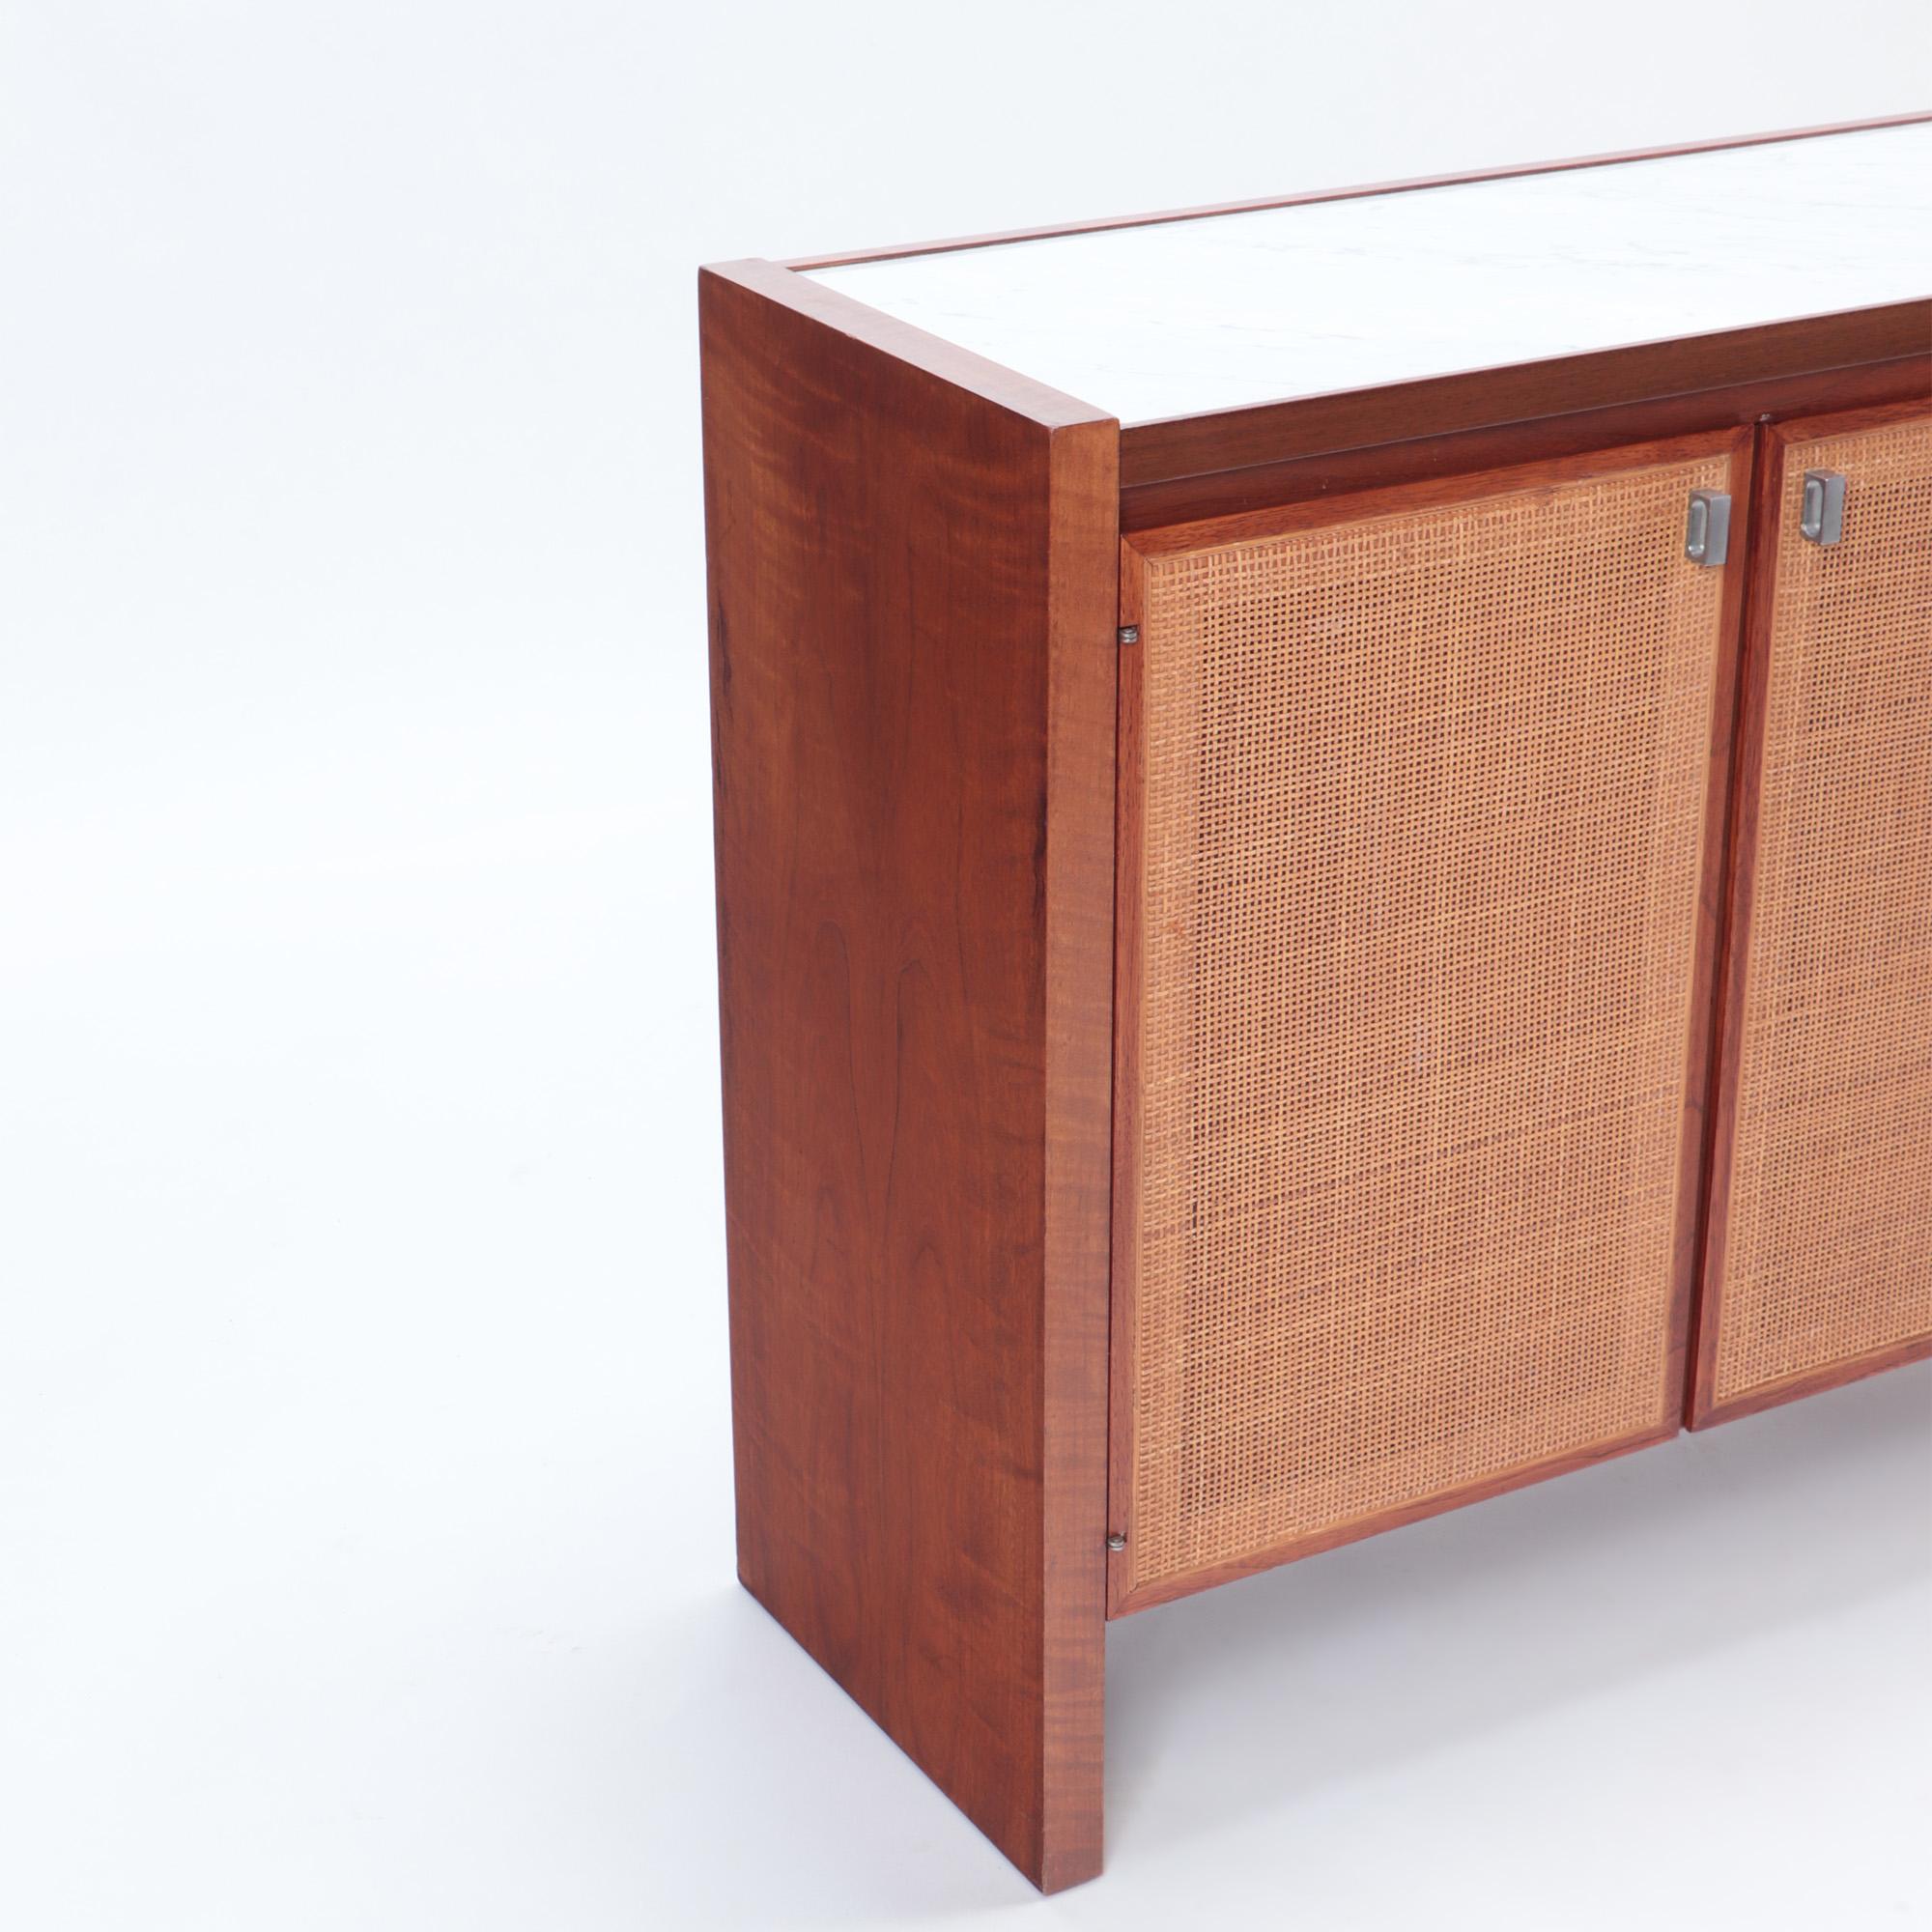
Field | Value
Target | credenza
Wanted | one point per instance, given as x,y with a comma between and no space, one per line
1340,926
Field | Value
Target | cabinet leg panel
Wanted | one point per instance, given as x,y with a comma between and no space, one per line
912,567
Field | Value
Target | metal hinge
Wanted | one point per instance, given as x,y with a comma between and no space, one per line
1821,511
1127,633
1707,527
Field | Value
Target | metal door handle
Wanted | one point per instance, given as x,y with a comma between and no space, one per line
1707,527
1821,512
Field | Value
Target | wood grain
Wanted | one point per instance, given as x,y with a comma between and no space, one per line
1702,1406
911,558
895,252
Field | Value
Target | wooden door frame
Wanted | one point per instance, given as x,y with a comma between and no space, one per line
1125,1595
1703,1410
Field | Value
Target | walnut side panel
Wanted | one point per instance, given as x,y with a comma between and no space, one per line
911,558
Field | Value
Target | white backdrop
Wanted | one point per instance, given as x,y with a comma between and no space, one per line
364,1464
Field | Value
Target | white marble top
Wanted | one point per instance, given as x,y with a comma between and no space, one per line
1226,310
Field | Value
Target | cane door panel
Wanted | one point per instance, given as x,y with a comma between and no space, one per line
1420,812
1820,1254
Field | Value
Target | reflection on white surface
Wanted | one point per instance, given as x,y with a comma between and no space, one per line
1235,309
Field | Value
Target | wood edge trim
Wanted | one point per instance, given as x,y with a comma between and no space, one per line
1740,851
1129,855
1169,449
1172,1589
1818,1381
992,382
1806,425
1401,458
1704,1056
1077,876
1310,513
854,257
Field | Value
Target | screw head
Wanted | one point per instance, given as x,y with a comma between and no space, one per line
1116,1541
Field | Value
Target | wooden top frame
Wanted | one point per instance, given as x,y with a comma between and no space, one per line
1222,461
851,258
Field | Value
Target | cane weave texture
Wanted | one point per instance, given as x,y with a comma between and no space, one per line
1424,823
1828,1239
